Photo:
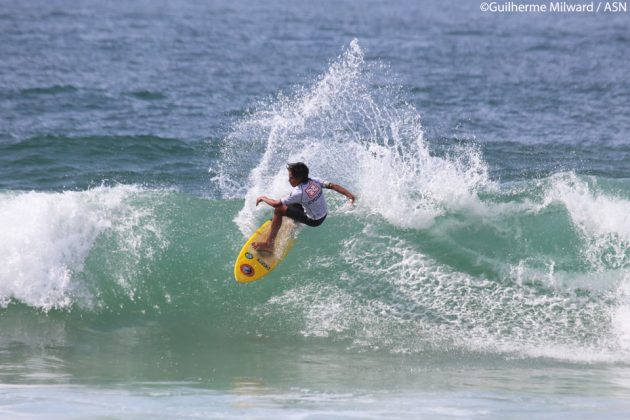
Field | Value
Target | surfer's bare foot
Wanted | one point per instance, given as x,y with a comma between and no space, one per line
263,247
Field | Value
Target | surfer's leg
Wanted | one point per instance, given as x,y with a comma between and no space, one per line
276,222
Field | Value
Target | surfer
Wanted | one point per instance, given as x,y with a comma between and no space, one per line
305,204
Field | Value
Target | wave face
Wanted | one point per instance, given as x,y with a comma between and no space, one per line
437,256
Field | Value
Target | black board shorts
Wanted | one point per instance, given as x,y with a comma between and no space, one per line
296,212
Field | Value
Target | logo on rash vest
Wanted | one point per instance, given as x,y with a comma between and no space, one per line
312,190
247,269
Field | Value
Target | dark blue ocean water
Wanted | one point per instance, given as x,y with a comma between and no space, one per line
154,81
484,272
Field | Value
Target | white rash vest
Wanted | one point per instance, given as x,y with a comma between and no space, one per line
310,195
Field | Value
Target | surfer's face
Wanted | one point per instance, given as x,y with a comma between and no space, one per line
293,180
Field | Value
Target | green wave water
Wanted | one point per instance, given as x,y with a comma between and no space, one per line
519,274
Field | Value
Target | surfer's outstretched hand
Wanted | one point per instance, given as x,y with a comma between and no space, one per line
341,190
270,201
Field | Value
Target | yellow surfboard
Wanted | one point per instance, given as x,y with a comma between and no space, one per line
251,265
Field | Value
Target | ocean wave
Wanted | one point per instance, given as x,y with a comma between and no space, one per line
437,256
511,279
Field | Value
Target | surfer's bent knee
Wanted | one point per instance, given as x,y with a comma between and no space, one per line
281,209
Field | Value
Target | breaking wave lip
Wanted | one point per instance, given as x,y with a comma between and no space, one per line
602,219
48,236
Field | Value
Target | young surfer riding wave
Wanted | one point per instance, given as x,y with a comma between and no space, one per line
305,204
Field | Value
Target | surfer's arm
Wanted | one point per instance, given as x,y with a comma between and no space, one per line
273,203
341,190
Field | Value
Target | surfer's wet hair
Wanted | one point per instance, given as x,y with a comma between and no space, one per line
298,170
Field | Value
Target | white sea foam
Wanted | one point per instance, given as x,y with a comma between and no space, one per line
47,237
602,219
405,302
621,315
